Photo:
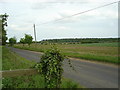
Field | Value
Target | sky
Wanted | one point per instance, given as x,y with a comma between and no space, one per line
99,23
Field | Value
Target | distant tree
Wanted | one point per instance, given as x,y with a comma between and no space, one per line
22,40
28,39
12,41
3,23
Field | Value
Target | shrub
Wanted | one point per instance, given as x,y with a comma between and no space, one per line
51,67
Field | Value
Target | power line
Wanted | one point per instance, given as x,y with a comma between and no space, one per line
81,12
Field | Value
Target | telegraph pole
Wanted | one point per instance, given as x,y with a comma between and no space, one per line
34,32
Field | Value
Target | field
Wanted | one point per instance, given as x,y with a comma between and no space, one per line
13,61
105,52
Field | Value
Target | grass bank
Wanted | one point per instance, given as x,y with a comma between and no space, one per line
104,52
13,61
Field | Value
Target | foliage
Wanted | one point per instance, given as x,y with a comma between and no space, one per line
51,67
3,19
22,40
12,41
28,39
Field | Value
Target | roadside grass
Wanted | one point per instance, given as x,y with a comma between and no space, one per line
13,61
35,81
92,57
70,84
104,52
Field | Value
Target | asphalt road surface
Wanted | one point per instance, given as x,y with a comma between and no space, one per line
88,74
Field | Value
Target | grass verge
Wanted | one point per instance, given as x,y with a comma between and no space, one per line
109,59
13,61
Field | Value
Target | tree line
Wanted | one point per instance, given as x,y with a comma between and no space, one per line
80,40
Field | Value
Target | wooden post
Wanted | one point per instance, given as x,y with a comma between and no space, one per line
18,72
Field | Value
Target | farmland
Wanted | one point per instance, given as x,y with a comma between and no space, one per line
105,52
12,61
54,44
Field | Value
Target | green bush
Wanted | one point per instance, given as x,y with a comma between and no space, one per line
51,67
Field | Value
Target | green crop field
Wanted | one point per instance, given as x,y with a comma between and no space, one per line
105,52
12,61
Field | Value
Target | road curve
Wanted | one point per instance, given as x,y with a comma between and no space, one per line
88,74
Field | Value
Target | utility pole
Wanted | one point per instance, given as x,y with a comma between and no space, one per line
34,32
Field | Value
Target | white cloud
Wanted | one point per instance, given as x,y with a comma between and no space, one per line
24,14
19,27
103,13
57,28
74,1
58,1
61,28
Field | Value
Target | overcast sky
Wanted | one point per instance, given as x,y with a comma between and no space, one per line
102,22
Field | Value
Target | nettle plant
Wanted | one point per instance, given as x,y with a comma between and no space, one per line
50,67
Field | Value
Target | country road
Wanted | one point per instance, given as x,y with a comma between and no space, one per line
88,74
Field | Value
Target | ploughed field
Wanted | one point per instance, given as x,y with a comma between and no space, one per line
105,52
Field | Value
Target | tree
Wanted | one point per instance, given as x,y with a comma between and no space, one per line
28,39
3,23
22,40
12,41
